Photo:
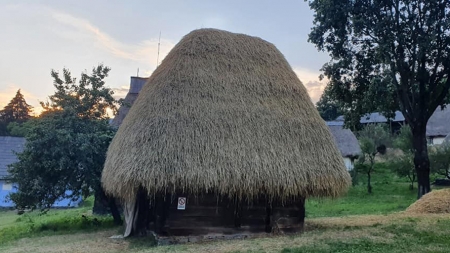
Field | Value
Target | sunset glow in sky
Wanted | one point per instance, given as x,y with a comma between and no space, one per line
38,36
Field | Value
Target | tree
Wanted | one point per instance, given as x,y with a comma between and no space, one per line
66,146
373,140
440,161
403,165
327,106
388,54
17,110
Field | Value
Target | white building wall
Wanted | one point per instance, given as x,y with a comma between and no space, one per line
438,140
349,163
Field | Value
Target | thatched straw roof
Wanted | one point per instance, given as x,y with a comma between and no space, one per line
224,113
136,84
439,123
345,139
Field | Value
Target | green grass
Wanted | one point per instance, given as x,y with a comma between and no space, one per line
390,194
391,233
398,237
53,222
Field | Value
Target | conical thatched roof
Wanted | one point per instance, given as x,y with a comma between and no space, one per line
224,113
345,139
438,124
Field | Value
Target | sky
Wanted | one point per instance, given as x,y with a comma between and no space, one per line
38,36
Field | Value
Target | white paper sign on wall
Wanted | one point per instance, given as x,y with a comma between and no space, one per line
181,203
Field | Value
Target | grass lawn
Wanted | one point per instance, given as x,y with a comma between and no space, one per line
54,222
390,194
367,233
357,222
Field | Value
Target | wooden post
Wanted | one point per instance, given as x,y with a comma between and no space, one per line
268,219
237,212
162,205
142,204
302,212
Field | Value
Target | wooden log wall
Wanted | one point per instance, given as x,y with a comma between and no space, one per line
210,214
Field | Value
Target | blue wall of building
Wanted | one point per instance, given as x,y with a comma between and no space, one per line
5,189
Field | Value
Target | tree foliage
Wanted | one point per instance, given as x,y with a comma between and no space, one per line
403,165
440,161
87,99
16,111
328,106
373,140
18,129
66,146
63,158
387,54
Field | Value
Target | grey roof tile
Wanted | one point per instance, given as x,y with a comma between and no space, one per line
9,145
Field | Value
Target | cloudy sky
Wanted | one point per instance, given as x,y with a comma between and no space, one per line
37,36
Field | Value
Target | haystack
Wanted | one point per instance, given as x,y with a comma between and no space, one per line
437,201
225,122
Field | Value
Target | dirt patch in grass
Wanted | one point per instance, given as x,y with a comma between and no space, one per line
81,242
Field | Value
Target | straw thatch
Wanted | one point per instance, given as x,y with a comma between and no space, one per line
345,139
224,113
438,124
437,201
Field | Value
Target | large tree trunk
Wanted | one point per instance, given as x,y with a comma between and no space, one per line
104,205
421,160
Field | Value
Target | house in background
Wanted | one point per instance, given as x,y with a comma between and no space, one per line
136,84
438,126
9,146
346,142
394,124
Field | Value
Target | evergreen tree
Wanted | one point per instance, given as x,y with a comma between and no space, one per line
17,111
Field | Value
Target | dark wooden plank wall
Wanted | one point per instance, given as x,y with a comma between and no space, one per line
210,214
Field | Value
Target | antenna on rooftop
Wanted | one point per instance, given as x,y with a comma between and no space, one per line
159,43
137,73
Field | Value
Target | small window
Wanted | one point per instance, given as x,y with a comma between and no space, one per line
430,141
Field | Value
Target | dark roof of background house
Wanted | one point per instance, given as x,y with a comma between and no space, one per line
439,123
376,117
344,138
9,145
